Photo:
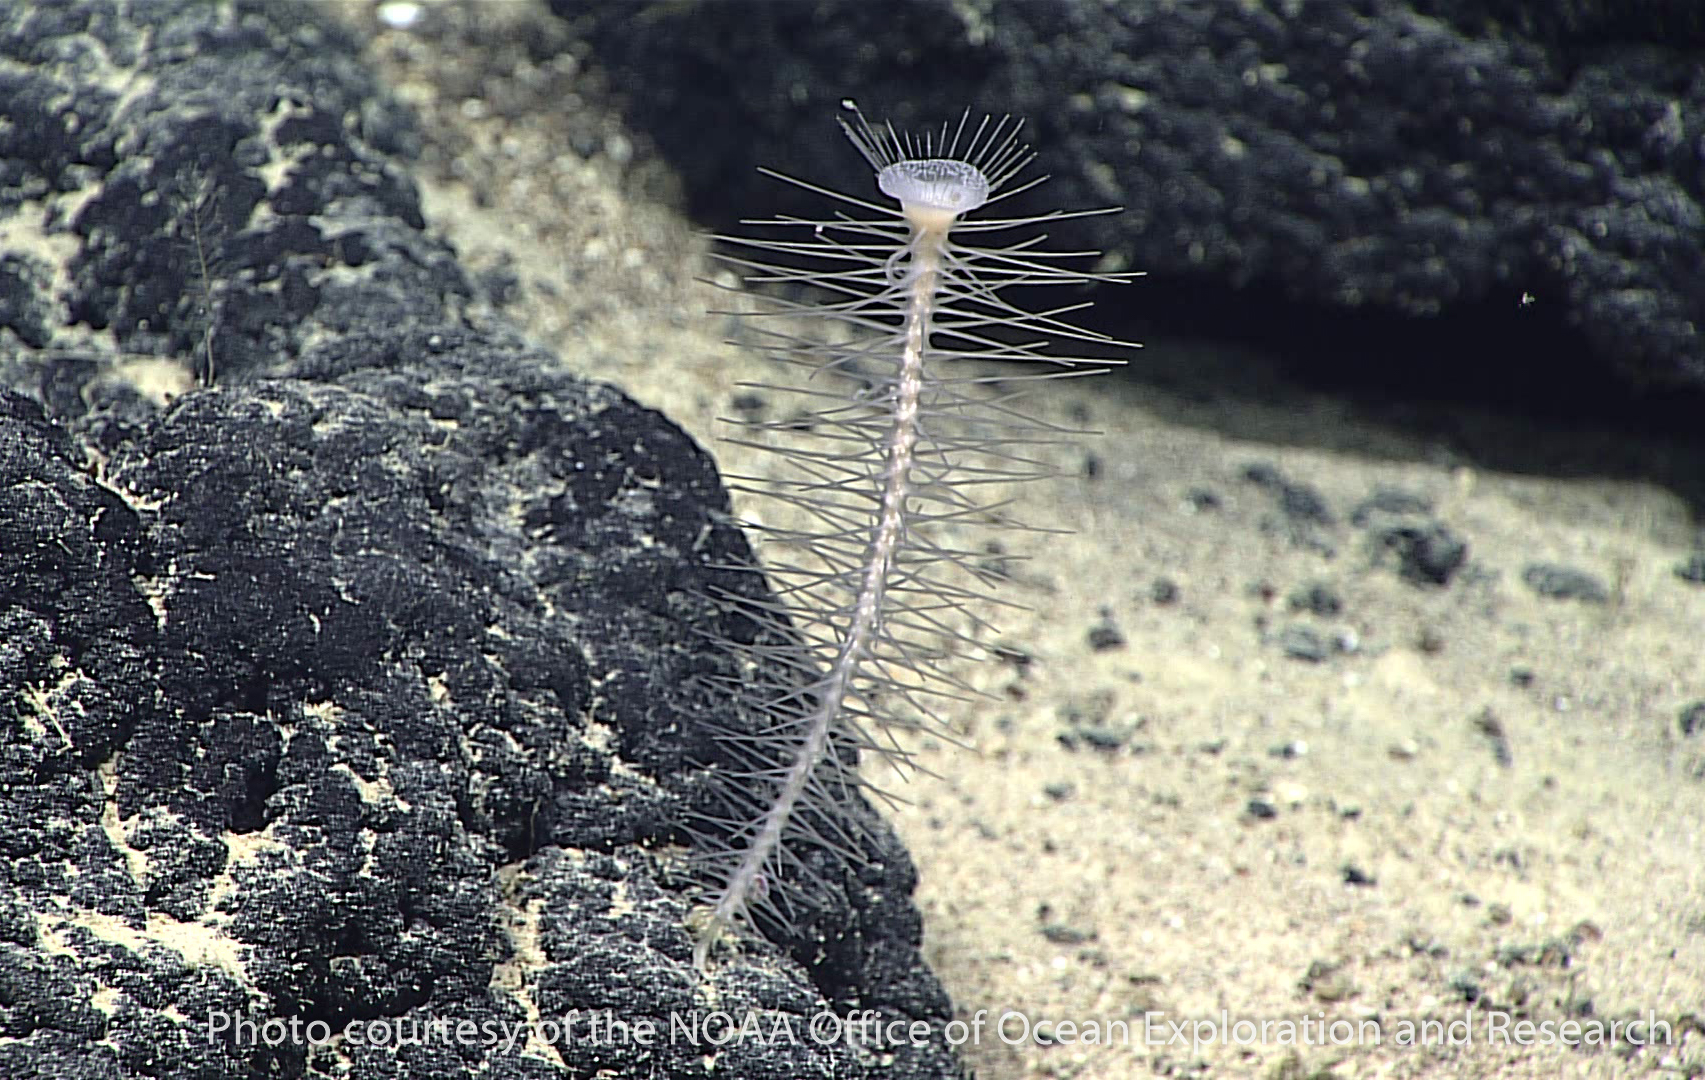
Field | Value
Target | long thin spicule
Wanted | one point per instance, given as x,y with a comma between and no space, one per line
903,432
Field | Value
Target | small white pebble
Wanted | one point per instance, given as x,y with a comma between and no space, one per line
619,149
401,14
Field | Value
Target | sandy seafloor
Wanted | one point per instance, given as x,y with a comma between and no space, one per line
1475,796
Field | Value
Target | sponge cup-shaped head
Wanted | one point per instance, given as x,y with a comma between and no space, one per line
936,185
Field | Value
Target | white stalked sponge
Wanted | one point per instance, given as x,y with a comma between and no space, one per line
902,439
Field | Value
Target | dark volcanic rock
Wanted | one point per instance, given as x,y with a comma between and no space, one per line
361,685
1564,583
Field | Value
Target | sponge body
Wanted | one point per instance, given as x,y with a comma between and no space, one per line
901,428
